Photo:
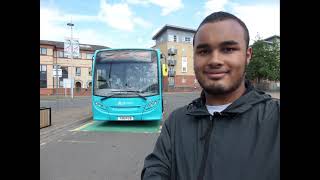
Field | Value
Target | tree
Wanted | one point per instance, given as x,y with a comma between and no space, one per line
265,61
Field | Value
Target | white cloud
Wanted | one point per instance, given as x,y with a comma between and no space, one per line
90,36
143,2
259,18
168,6
119,16
155,31
262,19
53,26
214,6
141,22
149,44
81,18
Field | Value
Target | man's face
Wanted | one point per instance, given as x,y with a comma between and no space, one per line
220,56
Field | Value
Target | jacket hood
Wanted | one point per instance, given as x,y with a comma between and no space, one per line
251,97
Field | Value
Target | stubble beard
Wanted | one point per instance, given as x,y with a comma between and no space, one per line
218,89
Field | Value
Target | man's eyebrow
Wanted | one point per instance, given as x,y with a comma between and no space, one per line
200,46
228,43
224,43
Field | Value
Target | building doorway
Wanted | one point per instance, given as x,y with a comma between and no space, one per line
78,86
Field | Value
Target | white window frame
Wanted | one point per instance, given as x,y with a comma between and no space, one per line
41,51
187,39
79,72
91,54
184,65
175,38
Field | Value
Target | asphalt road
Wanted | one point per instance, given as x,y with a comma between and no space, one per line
63,103
86,153
101,155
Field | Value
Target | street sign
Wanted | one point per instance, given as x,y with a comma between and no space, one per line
75,48
67,47
68,83
71,47
54,72
164,70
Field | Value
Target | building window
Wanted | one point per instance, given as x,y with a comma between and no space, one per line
172,38
43,51
171,81
175,38
90,72
187,39
60,54
184,65
64,75
78,71
89,56
43,76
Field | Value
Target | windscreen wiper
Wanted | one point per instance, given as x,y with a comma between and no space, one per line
106,97
124,92
133,91
138,93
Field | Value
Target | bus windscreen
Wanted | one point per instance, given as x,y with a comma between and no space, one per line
126,73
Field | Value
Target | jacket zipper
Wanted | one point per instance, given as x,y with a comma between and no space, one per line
205,150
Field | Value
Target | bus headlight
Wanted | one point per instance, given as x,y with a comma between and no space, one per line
151,104
100,105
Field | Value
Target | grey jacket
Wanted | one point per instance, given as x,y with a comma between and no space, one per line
240,143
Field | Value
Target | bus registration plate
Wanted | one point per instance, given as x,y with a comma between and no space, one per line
125,118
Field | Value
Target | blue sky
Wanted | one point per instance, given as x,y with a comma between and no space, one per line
132,23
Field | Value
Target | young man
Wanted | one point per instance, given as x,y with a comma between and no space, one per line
233,130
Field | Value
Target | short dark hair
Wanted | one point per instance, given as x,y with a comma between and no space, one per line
220,16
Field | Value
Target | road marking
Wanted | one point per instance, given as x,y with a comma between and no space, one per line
73,141
42,144
82,127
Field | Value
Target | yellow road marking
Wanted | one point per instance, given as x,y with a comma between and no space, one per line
82,127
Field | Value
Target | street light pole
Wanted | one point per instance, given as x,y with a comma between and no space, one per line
57,78
71,53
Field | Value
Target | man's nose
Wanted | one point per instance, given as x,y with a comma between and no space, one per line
215,58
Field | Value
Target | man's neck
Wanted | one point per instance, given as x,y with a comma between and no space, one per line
222,99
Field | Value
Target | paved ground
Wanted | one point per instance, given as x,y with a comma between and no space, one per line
76,153
68,112
70,150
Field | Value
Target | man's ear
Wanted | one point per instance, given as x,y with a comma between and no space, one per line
248,55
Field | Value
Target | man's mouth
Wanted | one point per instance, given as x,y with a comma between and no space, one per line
215,74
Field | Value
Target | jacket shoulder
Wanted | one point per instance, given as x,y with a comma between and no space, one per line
269,110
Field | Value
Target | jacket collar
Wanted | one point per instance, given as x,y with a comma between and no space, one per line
245,102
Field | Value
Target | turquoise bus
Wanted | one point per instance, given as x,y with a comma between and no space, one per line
127,85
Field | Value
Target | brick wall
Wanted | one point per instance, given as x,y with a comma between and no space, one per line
67,91
185,83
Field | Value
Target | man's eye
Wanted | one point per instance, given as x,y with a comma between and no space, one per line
203,52
228,50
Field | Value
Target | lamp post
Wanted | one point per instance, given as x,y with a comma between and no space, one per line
71,54
57,78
